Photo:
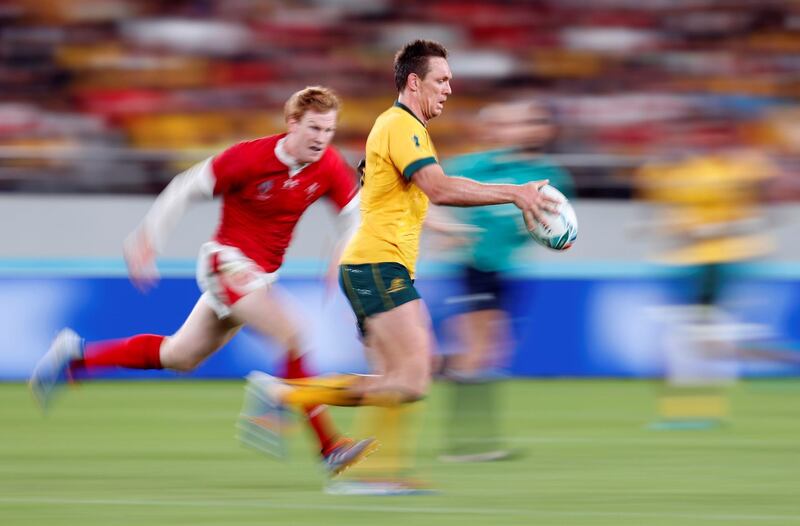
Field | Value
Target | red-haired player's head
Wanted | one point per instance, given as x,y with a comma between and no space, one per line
311,116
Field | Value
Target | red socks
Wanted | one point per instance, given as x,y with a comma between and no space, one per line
143,352
318,417
137,352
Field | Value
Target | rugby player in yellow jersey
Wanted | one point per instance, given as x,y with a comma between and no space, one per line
402,175
709,211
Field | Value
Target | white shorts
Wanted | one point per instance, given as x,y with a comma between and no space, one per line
225,275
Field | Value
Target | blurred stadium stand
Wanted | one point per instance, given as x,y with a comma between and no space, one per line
117,95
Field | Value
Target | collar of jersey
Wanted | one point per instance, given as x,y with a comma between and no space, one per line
284,157
402,106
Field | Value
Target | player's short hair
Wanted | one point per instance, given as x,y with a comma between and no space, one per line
313,98
414,58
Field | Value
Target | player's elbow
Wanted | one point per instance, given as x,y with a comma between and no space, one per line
434,183
437,194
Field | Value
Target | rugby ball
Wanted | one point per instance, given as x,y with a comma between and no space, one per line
561,229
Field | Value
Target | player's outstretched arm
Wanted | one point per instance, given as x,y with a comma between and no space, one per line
347,223
143,245
442,189
140,259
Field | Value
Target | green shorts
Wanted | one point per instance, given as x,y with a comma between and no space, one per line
372,288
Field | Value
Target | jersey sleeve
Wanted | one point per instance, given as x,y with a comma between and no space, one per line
343,186
191,185
410,149
231,166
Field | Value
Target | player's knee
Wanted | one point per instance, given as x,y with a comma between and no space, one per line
173,358
411,392
184,365
418,381
392,397
409,397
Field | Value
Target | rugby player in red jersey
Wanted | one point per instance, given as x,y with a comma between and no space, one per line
265,184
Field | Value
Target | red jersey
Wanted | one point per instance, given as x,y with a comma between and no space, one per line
262,202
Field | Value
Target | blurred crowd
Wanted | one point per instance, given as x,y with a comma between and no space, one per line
116,95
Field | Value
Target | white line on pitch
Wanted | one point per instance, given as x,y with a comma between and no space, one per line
656,441
396,509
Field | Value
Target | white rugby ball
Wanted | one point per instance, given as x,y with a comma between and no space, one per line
561,229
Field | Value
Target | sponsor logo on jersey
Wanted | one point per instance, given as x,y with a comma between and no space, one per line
416,140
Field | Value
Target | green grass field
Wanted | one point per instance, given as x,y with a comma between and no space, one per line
144,453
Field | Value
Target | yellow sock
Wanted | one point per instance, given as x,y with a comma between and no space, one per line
338,390
707,406
309,395
395,430
693,403
335,381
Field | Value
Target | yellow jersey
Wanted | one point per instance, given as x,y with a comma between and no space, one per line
393,208
710,207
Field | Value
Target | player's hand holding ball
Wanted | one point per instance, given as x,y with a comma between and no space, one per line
556,226
535,204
